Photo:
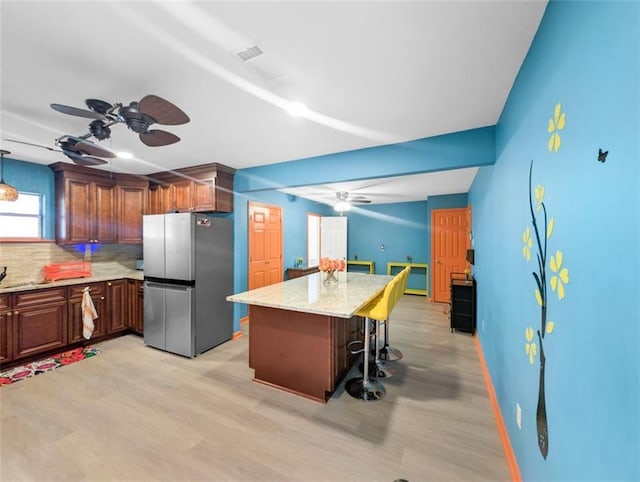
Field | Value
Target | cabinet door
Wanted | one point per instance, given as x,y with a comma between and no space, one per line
183,191
132,205
104,212
78,224
118,308
133,319
203,196
39,329
5,336
75,311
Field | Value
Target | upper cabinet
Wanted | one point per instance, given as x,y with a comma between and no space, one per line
206,188
95,206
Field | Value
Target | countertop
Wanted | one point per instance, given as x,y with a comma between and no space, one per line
125,274
308,294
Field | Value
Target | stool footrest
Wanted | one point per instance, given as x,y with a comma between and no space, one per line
366,390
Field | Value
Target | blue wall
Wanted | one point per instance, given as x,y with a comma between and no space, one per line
34,178
585,57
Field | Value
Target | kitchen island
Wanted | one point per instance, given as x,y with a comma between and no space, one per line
300,330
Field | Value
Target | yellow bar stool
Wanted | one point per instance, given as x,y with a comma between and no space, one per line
368,388
388,352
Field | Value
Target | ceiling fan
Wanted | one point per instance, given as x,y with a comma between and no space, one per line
345,200
79,149
138,116
345,196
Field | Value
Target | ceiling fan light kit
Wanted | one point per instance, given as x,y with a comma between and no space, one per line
7,192
342,206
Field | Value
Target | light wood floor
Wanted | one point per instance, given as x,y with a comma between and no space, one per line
136,413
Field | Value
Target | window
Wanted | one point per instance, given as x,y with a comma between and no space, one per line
21,218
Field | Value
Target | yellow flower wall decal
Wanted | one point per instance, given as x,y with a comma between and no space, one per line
550,226
538,297
556,124
539,194
530,347
561,275
550,326
528,244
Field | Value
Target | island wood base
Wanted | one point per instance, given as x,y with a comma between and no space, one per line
302,353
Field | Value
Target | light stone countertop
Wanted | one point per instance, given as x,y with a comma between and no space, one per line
308,294
124,274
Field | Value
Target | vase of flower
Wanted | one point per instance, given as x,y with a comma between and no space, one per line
330,268
331,277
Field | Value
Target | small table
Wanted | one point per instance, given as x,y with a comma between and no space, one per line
402,265
293,273
370,264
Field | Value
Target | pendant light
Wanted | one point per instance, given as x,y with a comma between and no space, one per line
7,193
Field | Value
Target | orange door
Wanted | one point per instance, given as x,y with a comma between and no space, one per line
265,245
449,243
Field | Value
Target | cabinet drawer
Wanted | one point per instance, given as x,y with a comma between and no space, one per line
38,297
97,290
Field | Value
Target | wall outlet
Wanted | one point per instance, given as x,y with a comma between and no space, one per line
518,416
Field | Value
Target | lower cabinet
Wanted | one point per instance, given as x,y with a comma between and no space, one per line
45,321
98,294
118,309
135,293
6,316
39,322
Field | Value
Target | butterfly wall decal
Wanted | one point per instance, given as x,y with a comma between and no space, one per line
602,156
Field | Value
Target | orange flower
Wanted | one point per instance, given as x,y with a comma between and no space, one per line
328,264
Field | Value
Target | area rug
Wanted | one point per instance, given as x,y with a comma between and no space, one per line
22,372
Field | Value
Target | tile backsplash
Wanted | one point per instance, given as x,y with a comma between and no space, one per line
25,261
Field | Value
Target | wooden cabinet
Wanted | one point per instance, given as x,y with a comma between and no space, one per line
132,205
117,306
95,206
86,210
98,296
161,198
39,322
135,294
6,318
205,188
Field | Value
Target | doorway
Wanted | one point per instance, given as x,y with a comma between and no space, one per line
265,245
450,229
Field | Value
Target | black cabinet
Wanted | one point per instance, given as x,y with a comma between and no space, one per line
463,303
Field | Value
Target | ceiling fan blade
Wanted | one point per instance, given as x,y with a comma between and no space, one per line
87,147
162,111
157,138
88,161
99,106
359,201
65,109
34,145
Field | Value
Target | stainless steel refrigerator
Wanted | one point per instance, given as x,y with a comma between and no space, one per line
188,272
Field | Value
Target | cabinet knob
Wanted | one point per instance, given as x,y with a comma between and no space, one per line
16,312
102,297
109,284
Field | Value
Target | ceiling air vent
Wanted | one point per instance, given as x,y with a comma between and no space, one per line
250,53
262,64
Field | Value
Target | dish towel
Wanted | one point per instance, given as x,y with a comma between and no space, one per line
88,314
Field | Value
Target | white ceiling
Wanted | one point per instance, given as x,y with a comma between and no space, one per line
370,73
